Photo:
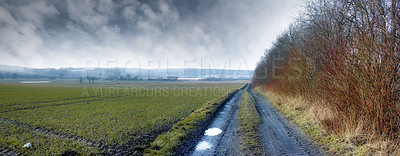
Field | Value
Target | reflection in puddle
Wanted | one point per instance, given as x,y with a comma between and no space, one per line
203,145
213,132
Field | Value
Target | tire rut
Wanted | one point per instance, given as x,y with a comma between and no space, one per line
61,104
18,104
108,150
5,151
279,136
226,141
229,140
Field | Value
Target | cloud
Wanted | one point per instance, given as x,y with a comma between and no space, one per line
174,32
19,29
6,18
89,12
35,12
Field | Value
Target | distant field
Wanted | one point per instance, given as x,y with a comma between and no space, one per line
94,118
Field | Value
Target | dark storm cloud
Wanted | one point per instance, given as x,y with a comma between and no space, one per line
179,33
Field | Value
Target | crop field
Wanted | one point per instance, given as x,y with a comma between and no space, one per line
96,118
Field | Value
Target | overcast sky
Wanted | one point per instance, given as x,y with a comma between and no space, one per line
141,33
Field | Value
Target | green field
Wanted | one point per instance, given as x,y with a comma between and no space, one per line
91,118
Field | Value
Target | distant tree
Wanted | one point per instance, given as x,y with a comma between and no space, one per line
110,78
90,78
80,80
1,76
120,78
14,76
128,76
172,78
61,76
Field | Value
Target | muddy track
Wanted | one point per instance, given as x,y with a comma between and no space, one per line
279,136
229,144
221,136
61,104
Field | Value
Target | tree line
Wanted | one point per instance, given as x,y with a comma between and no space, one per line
345,55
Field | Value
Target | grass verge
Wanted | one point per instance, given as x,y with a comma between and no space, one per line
249,121
308,117
168,142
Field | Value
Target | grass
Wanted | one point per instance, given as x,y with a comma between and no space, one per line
127,115
14,137
309,120
249,121
168,143
12,94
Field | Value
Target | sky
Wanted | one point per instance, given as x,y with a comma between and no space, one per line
223,34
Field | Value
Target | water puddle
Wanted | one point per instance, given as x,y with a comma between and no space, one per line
189,79
203,145
29,82
213,132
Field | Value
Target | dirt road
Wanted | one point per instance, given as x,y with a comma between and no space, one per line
221,137
280,137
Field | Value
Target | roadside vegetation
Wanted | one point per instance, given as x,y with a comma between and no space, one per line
169,142
340,62
94,123
249,121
